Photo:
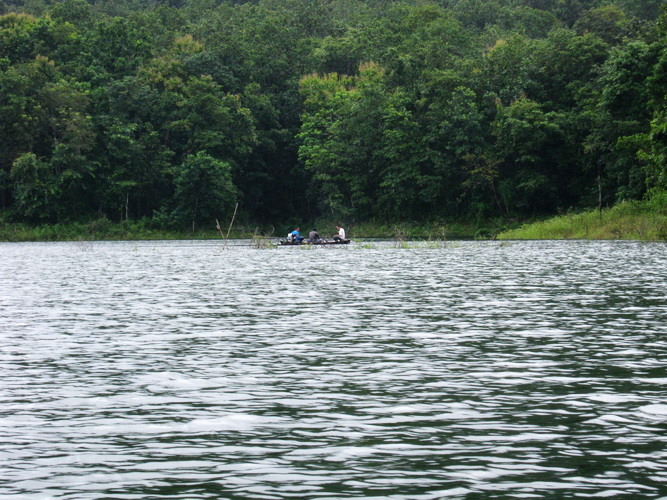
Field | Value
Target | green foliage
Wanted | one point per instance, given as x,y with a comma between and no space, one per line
627,220
300,109
36,190
608,22
204,190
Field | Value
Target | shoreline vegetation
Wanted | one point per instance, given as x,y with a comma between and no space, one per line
104,229
629,220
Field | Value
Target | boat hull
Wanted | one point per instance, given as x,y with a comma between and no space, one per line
317,243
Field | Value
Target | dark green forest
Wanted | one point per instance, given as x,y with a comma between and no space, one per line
174,111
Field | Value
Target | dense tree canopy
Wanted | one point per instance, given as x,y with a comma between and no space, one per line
365,109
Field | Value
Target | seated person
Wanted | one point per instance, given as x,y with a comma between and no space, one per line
341,234
314,236
296,235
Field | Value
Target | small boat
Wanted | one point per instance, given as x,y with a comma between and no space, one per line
319,242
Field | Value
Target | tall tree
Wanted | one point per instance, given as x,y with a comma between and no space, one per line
204,189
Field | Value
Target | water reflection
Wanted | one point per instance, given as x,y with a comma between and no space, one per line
472,369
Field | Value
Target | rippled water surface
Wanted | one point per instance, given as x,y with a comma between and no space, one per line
469,370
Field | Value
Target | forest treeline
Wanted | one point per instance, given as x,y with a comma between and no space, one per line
174,112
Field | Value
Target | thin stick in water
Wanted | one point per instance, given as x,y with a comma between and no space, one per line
230,224
217,226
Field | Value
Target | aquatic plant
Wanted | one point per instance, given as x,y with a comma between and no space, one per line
260,240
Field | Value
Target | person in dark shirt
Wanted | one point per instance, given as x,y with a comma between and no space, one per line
314,236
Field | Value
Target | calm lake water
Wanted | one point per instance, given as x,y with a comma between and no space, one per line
138,370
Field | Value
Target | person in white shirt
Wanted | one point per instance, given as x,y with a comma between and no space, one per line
341,234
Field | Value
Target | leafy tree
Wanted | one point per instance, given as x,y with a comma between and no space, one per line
401,160
528,21
269,179
19,110
135,175
510,68
208,119
76,12
342,54
623,113
568,69
462,166
24,37
653,145
204,189
113,48
477,14
70,126
642,9
608,22
533,154
48,117
322,148
36,190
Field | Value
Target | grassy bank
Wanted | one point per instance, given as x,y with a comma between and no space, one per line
631,220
